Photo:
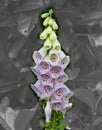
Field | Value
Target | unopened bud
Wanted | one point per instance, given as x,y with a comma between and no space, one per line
53,36
45,15
47,44
46,21
56,45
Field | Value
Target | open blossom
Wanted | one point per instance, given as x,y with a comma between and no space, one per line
39,55
60,91
51,79
44,91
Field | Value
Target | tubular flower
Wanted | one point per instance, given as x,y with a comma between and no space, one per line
50,63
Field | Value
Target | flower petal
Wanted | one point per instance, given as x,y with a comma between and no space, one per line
61,54
67,105
38,55
45,78
57,105
65,61
61,79
55,71
34,70
46,91
53,57
67,96
60,91
43,67
36,87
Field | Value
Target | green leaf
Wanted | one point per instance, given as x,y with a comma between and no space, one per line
87,97
24,117
30,5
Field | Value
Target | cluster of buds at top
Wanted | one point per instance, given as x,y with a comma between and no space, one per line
50,64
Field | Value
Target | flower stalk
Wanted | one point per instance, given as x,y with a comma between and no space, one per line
50,64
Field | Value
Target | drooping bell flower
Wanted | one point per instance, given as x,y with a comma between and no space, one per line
62,78
60,105
39,55
60,91
56,71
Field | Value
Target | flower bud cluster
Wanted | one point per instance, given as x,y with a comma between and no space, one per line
50,64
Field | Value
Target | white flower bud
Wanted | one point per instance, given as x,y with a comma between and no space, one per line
48,111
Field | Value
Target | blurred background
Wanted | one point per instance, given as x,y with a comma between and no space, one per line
80,34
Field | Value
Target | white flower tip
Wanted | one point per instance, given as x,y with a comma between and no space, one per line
70,105
48,111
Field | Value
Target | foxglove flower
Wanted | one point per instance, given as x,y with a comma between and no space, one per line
45,78
62,78
46,91
53,57
50,63
56,71
43,67
60,105
43,91
39,55
60,91
64,59
64,62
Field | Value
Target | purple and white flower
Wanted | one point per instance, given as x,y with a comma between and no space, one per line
64,62
59,105
39,55
36,87
53,57
60,90
62,78
56,71
43,67
45,78
46,91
